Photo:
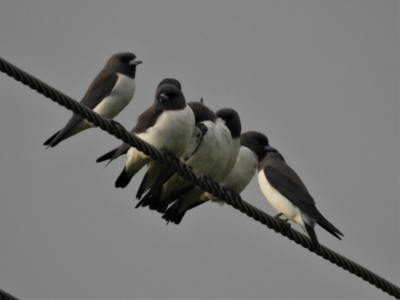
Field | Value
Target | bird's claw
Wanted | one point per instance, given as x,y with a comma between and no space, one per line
283,221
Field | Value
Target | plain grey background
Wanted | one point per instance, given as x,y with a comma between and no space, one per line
319,78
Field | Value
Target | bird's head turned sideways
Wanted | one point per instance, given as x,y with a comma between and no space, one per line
201,112
124,63
232,121
257,142
169,97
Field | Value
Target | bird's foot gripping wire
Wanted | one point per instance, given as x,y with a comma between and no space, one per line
285,221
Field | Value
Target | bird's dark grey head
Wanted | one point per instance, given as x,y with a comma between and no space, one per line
256,142
169,97
201,112
232,121
124,63
172,81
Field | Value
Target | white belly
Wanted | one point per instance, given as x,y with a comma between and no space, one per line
278,201
227,157
241,174
244,170
171,132
118,99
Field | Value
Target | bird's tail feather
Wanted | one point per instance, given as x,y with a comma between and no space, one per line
158,183
48,142
152,200
324,223
173,214
107,156
142,187
313,237
123,179
178,193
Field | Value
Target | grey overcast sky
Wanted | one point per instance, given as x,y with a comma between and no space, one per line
319,78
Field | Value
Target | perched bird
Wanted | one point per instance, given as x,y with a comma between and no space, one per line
109,93
209,159
286,192
251,152
201,113
189,197
155,169
124,147
157,174
168,124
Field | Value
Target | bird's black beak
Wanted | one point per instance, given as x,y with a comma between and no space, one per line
163,98
270,149
134,62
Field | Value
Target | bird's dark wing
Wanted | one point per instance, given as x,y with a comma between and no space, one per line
147,119
63,133
101,87
288,183
113,154
281,179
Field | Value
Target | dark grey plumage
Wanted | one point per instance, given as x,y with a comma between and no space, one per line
293,200
109,80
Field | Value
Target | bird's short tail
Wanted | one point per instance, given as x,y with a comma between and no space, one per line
324,223
49,142
153,202
123,179
173,214
313,237
107,156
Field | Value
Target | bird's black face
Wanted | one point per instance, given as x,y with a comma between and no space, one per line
255,141
124,63
128,59
169,97
163,98
201,112
232,121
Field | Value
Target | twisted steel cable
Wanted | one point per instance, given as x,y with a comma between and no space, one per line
205,183
6,296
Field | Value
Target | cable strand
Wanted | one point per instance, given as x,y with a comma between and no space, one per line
6,296
207,184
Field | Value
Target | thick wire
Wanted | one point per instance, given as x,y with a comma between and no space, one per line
207,184
6,296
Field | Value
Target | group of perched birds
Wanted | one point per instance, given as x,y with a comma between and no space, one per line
210,143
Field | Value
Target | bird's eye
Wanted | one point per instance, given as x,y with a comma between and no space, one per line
122,59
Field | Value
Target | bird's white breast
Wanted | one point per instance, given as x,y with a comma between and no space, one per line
208,152
244,170
119,97
276,199
241,174
232,157
171,131
228,157
283,205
